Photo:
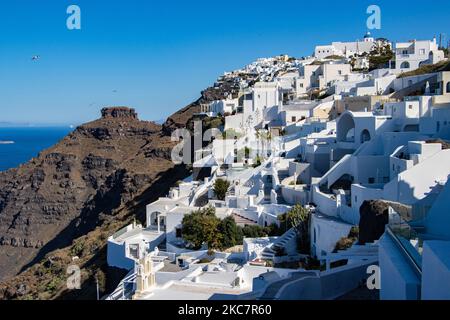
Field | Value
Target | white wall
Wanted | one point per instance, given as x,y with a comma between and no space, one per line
436,270
173,221
437,221
265,95
404,82
234,122
326,233
398,279
116,256
414,184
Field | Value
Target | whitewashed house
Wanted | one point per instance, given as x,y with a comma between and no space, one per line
319,76
224,106
416,53
346,49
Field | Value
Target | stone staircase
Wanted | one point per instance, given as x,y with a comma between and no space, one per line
270,252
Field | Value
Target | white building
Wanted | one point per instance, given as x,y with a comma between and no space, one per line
346,49
414,54
320,76
223,106
265,95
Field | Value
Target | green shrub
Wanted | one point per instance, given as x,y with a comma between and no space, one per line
258,162
232,234
347,242
231,134
221,188
77,248
200,227
53,285
254,231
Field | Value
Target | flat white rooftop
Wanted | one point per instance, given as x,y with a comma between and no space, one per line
188,292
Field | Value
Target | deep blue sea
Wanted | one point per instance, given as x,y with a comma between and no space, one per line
28,142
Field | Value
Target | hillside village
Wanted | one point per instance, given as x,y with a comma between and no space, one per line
318,168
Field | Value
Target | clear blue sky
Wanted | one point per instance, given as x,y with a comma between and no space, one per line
159,55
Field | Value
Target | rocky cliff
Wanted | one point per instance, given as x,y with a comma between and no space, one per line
60,207
64,203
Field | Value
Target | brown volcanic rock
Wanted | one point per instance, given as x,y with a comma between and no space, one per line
374,215
79,185
119,112
184,117
180,118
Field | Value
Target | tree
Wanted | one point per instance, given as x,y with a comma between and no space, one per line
220,188
257,162
232,234
299,219
247,151
200,227
254,231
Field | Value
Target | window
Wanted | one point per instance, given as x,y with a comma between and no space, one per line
356,199
422,51
404,51
371,180
301,85
178,233
294,119
448,87
405,65
410,107
340,72
134,250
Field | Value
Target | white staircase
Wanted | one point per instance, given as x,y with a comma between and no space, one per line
269,252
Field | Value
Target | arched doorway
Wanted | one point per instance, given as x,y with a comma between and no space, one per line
365,136
405,65
346,128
